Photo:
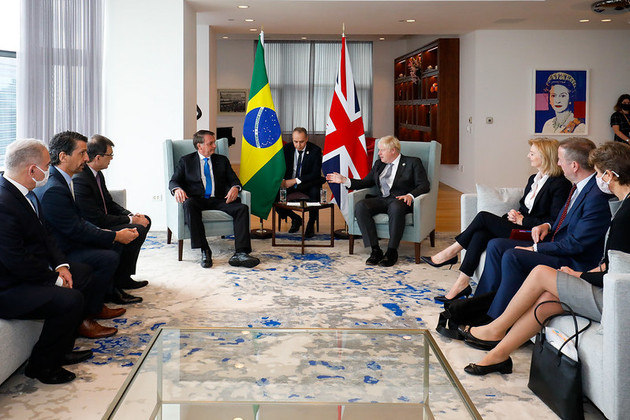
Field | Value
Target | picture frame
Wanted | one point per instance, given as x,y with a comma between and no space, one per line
232,101
560,102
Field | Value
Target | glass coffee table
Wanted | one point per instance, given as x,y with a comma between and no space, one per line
303,374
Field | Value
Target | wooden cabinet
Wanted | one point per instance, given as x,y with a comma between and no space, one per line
426,102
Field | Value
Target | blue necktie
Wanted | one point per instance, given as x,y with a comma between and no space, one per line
31,197
298,171
206,172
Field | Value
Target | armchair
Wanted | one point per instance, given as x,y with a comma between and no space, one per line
216,222
421,222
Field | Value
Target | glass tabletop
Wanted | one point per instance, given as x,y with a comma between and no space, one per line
258,374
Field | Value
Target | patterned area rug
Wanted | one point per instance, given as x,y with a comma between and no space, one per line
324,288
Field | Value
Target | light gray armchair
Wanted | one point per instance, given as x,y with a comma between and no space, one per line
421,222
216,223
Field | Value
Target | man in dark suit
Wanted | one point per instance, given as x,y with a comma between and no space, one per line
204,180
576,238
37,281
81,240
303,176
98,207
400,179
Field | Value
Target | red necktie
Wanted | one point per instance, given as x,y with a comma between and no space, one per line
100,188
565,210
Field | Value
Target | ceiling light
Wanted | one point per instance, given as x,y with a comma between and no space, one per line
410,20
249,20
606,20
224,37
252,29
382,39
584,20
243,7
304,37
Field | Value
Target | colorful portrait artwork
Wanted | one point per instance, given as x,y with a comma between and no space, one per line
560,102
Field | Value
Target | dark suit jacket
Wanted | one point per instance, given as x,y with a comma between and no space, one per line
27,249
311,165
410,178
548,202
187,175
64,217
581,235
88,198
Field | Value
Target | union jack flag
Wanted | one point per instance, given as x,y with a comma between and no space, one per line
345,150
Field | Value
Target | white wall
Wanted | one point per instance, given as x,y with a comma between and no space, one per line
149,80
496,80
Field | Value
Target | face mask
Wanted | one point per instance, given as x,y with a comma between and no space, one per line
603,186
625,107
43,181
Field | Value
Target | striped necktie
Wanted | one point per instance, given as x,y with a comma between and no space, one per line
565,210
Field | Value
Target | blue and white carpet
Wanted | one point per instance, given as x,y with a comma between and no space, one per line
325,288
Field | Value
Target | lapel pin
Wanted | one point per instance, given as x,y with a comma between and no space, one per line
404,164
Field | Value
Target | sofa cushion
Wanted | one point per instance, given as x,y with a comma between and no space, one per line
497,200
619,262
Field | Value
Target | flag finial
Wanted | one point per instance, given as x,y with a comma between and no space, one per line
343,29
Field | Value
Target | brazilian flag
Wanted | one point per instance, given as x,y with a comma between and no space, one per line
262,159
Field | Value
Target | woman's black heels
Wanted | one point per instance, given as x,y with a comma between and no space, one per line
450,262
466,292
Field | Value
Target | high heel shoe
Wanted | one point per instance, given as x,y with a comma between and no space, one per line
501,367
466,292
450,262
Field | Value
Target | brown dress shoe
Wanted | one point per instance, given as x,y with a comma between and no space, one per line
109,313
92,329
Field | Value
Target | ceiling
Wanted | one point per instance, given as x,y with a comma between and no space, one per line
324,18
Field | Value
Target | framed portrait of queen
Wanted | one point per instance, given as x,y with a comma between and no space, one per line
561,102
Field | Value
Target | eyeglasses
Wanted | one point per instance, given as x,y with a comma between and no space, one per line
111,155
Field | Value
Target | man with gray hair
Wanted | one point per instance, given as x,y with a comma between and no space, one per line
399,179
36,279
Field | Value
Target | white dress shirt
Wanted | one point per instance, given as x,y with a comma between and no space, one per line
539,181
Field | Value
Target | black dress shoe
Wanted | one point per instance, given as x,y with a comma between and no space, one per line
464,293
120,297
502,367
475,342
76,356
130,283
450,262
375,257
390,258
295,224
55,375
206,258
310,230
242,259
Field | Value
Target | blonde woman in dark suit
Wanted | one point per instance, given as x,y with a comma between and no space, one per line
545,194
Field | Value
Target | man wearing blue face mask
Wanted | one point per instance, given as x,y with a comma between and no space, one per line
575,239
37,281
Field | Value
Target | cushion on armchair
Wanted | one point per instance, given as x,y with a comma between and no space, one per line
497,200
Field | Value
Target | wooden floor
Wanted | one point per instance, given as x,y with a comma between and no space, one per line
448,213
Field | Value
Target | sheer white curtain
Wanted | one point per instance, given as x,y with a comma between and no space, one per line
60,67
302,78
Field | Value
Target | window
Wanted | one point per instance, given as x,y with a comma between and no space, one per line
8,70
302,79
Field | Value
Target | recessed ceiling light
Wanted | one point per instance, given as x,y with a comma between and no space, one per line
584,20
606,20
410,20
249,20
224,37
252,29
304,37
243,6
382,39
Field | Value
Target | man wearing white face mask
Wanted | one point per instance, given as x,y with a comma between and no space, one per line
37,281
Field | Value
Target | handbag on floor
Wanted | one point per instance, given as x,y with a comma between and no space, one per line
471,311
554,377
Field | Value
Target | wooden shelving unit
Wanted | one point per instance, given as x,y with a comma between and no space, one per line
426,102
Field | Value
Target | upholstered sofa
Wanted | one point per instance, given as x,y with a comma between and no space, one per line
17,337
603,348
